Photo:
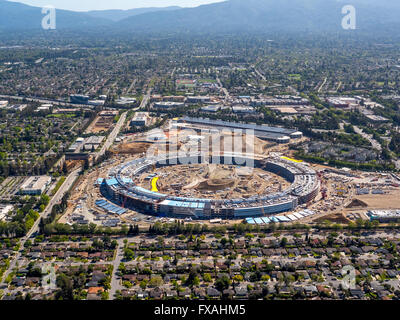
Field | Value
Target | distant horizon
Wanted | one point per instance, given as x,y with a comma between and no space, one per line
96,5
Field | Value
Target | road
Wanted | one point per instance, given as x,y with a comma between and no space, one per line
375,144
146,98
226,92
63,190
115,280
322,85
338,87
293,90
43,100
260,74
131,86
113,135
54,200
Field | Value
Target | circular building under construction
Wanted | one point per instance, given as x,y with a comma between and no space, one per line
122,188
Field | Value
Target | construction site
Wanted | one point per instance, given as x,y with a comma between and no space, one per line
103,122
170,173
348,195
212,181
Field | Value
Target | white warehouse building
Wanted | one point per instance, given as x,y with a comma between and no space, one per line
35,185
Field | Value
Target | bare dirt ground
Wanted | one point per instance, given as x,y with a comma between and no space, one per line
335,218
72,164
100,124
86,190
214,181
91,126
382,201
132,148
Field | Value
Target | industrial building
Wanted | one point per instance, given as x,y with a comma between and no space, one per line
124,101
108,113
4,210
384,216
120,188
174,98
343,102
96,102
35,186
92,142
199,99
376,119
167,105
280,100
275,134
211,108
86,144
281,219
243,109
79,99
140,119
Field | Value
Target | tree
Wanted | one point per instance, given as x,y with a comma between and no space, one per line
65,168
133,230
155,281
66,287
238,278
394,144
222,283
129,254
44,200
122,268
207,277
193,279
143,284
86,165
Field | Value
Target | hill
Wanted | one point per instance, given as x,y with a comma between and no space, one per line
18,16
118,15
314,16
265,16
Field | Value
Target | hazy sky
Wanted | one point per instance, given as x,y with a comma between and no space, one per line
85,5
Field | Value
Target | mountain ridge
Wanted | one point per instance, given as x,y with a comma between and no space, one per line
18,16
313,16
118,15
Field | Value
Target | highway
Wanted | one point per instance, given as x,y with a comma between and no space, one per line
322,85
43,100
260,75
226,92
375,144
113,135
146,98
54,200
69,181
